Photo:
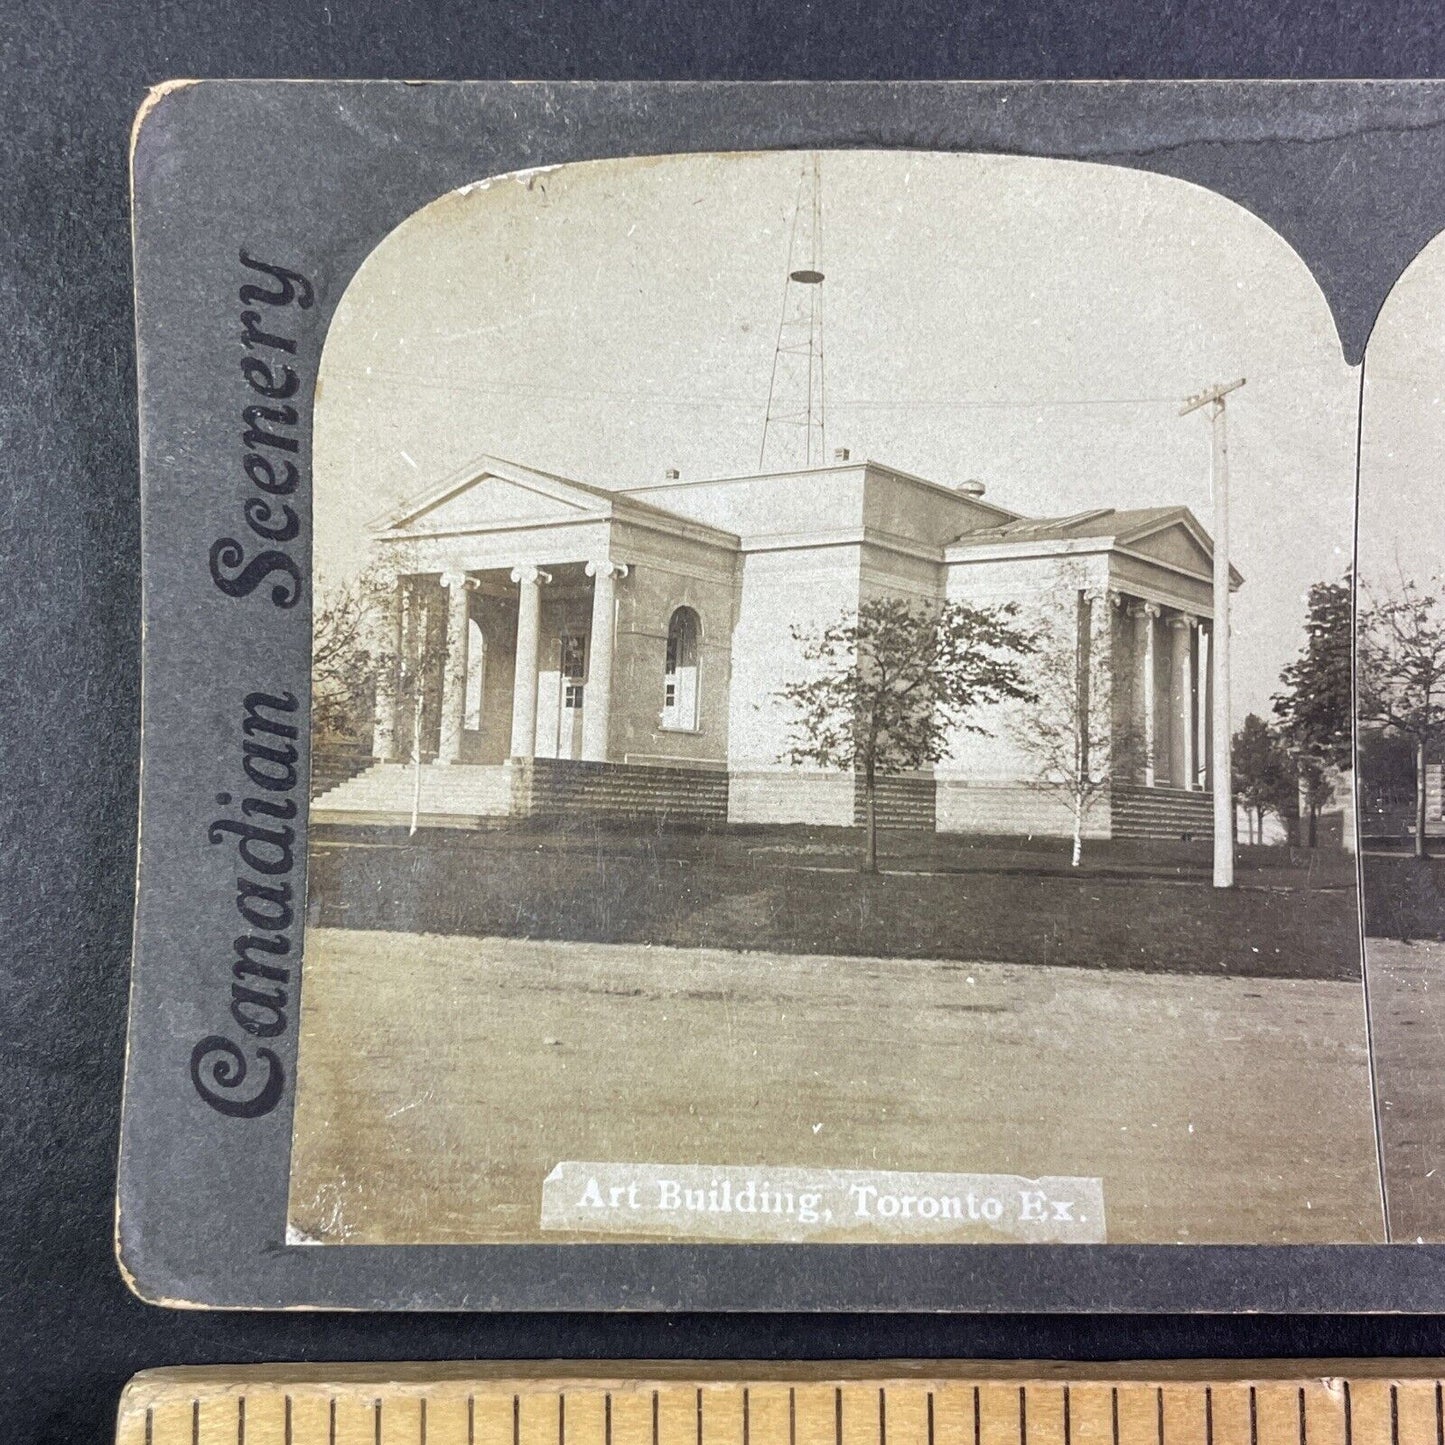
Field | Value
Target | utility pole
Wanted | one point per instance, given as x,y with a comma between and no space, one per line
1213,398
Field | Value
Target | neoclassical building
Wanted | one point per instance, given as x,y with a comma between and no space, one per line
556,647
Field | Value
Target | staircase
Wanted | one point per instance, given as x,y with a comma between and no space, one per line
1160,813
332,765
459,795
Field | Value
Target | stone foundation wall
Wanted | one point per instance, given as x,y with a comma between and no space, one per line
823,799
901,803
555,787
1167,814
1012,808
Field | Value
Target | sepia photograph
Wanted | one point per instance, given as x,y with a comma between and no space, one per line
1400,695
833,718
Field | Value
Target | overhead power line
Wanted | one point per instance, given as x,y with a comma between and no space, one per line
692,398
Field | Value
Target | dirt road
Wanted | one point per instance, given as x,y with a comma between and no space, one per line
440,1079
1407,1001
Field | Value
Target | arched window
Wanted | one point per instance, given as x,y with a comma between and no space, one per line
679,683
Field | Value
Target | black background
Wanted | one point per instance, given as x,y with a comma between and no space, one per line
71,77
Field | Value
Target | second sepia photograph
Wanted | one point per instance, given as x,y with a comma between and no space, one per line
832,719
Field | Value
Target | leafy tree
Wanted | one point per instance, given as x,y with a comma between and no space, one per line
1386,771
1069,732
353,646
343,664
1402,676
1316,709
892,681
1264,776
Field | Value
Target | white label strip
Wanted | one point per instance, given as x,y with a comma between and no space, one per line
855,1206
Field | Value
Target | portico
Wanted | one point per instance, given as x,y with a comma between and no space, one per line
1152,570
536,644
520,665
1167,711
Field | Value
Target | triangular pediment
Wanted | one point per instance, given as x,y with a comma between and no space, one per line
1178,541
1176,545
489,500
489,495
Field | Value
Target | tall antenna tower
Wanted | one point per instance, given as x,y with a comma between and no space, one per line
793,434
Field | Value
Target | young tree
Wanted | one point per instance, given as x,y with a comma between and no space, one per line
344,663
1316,709
890,683
1402,676
1070,730
356,627
1264,778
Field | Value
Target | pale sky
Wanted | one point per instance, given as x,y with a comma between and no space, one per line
1030,323
1402,457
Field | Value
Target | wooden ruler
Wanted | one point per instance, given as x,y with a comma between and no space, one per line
888,1403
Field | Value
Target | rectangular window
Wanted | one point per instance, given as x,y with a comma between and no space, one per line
572,698
669,697
573,658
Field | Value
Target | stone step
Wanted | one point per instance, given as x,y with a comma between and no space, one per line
335,764
1163,820
1172,814
1164,805
649,796
1161,816
392,818
603,782
389,788
561,786
356,796
1163,795
629,789
385,792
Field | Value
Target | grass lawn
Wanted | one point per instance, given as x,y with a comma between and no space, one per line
1404,896
793,890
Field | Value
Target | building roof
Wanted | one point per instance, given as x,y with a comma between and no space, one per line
528,488
1100,522
598,501
970,492
1112,527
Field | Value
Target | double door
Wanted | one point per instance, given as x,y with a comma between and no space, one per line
561,696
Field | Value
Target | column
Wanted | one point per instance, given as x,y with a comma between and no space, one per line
1084,676
1201,707
454,669
1117,686
412,687
1208,712
529,580
601,643
1144,614
389,644
1181,700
